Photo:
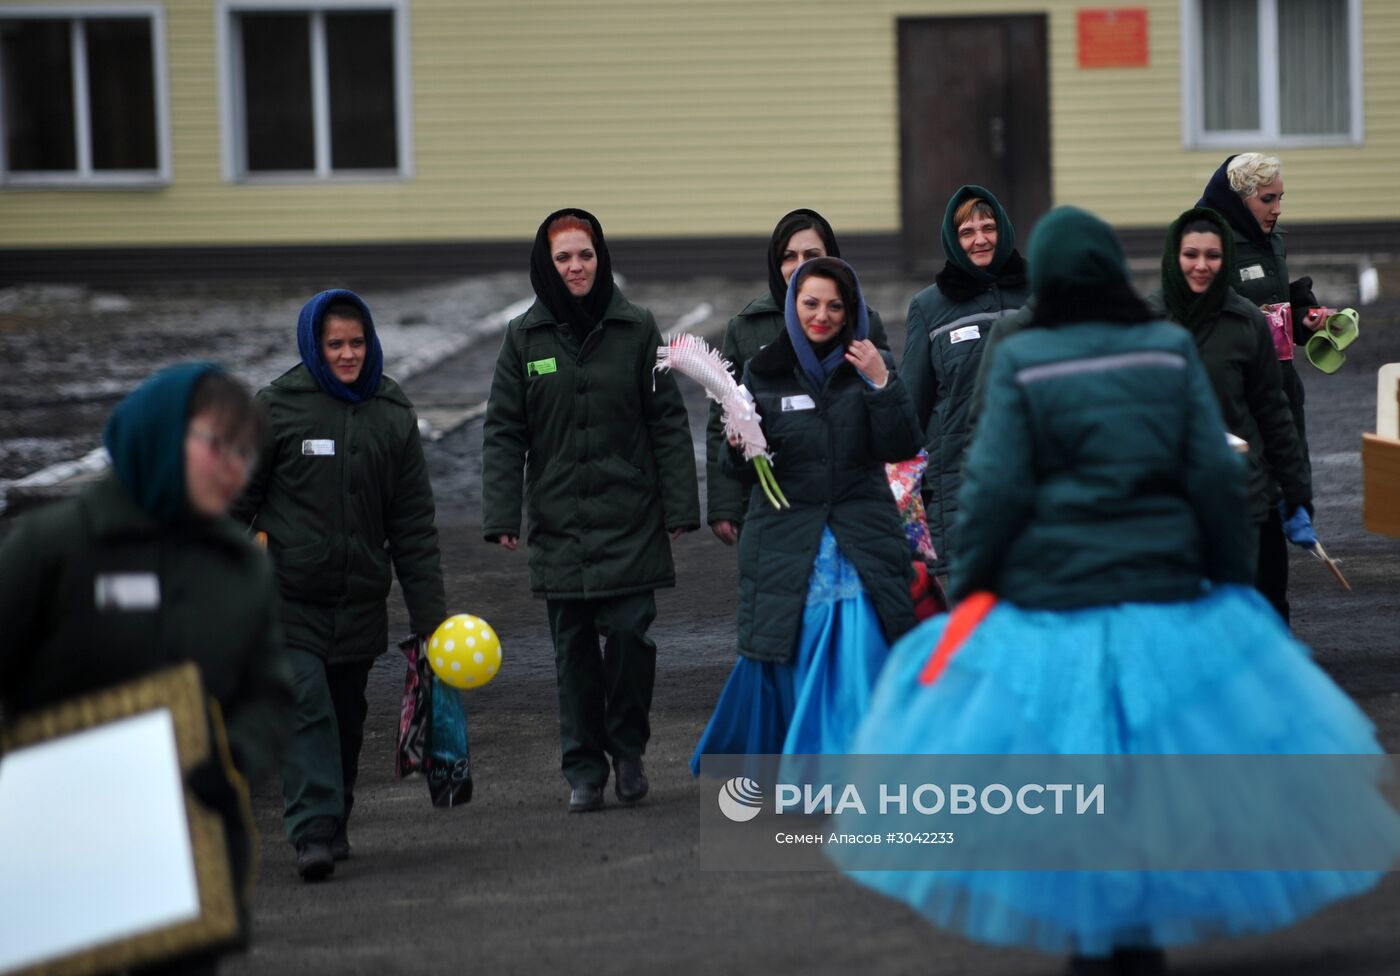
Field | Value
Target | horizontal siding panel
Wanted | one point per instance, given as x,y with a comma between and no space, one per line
677,118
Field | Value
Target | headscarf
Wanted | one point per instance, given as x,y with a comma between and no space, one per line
1221,197
580,314
1078,272
792,222
1006,237
145,435
311,324
819,370
1184,305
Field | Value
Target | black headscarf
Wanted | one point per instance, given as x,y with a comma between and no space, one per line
1184,305
580,314
1078,272
1224,200
790,224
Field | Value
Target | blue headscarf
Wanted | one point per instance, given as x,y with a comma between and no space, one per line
819,370
146,437
309,326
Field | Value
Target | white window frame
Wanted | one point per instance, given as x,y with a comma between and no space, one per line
1193,134
228,37
83,175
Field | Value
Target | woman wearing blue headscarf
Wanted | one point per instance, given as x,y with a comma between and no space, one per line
824,584
341,493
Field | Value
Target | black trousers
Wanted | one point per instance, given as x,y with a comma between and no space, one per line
1271,574
604,693
322,760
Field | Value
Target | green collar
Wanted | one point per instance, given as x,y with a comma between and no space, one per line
298,379
619,310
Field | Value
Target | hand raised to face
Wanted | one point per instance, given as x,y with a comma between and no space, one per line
863,355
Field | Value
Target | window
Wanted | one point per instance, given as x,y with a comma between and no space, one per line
1276,72
319,92
84,96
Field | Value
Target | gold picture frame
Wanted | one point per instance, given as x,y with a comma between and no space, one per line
208,914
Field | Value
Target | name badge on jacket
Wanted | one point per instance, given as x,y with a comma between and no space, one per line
964,334
318,448
1252,272
127,591
800,402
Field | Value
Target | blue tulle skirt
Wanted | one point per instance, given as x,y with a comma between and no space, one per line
811,705
1220,675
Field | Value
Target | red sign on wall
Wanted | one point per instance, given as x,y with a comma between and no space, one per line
1113,38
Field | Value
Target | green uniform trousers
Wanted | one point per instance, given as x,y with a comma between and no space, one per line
328,728
604,696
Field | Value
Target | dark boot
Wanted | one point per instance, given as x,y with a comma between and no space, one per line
630,781
585,798
314,859
340,843
1141,962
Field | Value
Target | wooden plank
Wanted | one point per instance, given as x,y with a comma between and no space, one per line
1380,478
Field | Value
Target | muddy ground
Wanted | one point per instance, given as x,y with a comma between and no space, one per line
511,883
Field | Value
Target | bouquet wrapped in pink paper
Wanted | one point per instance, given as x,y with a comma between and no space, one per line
692,356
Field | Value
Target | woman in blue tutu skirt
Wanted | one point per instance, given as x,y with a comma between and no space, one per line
823,584
1104,522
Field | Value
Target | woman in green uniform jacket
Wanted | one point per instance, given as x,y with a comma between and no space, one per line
600,447
143,570
1247,190
949,322
824,583
800,236
341,493
1232,338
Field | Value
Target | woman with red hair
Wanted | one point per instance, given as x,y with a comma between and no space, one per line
600,448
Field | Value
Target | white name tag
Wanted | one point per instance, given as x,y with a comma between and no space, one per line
127,591
800,402
965,333
322,448
1252,272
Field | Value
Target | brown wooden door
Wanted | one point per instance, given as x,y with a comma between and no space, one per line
974,107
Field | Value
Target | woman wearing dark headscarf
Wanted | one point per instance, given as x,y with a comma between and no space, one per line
1103,566
601,450
341,493
143,570
1247,190
824,584
800,236
982,281
1232,338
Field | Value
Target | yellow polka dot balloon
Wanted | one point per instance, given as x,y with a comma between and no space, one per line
464,651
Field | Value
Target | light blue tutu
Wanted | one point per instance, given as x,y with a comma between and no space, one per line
1219,675
810,706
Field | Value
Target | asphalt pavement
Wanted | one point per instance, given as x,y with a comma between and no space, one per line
513,884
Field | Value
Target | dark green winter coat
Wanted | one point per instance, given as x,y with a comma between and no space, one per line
1238,354
756,326
946,332
1099,473
600,447
95,592
1261,277
829,460
943,347
342,492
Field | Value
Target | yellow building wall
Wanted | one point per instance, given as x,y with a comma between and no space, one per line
676,118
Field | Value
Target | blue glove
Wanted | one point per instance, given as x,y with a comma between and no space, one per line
1298,528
